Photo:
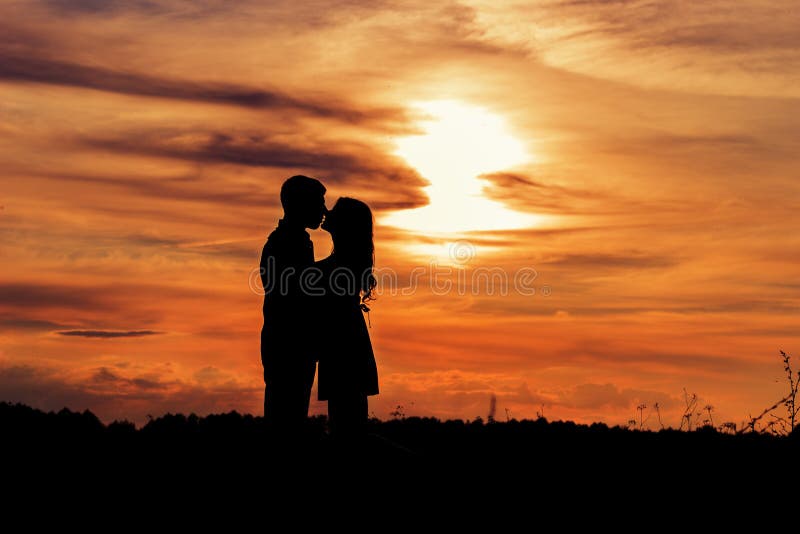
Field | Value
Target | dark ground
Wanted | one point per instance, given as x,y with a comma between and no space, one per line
405,464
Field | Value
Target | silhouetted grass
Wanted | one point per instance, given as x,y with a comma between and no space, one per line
523,441
65,454
424,461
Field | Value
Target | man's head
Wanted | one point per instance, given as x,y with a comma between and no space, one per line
303,200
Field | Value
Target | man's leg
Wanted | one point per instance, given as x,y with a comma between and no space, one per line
270,356
287,393
287,396
274,399
306,370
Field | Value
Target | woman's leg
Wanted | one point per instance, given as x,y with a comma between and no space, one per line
347,414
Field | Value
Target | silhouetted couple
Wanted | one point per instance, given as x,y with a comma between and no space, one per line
314,311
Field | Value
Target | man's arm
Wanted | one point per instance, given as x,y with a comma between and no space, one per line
282,265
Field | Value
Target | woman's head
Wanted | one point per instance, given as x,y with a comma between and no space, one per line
350,224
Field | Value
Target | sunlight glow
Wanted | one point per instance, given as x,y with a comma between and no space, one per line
460,143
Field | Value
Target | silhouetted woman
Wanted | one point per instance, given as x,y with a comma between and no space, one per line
347,370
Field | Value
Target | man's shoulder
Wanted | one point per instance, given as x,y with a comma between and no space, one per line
281,241
274,236
282,235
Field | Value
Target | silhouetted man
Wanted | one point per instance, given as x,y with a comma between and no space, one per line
286,350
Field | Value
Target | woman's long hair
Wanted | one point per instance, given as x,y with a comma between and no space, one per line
353,243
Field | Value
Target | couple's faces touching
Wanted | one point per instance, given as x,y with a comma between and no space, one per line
316,212
330,220
319,216
324,218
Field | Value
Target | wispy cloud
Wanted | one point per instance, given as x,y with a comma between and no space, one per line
108,334
346,164
632,260
677,45
21,323
104,7
28,295
598,396
51,71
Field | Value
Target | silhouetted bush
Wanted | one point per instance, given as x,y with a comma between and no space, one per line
122,428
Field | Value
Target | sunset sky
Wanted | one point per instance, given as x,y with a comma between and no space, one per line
637,161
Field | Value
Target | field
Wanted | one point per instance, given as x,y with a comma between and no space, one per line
226,455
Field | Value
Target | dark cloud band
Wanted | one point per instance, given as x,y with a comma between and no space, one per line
52,71
108,333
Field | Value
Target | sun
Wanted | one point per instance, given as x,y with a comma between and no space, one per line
460,142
